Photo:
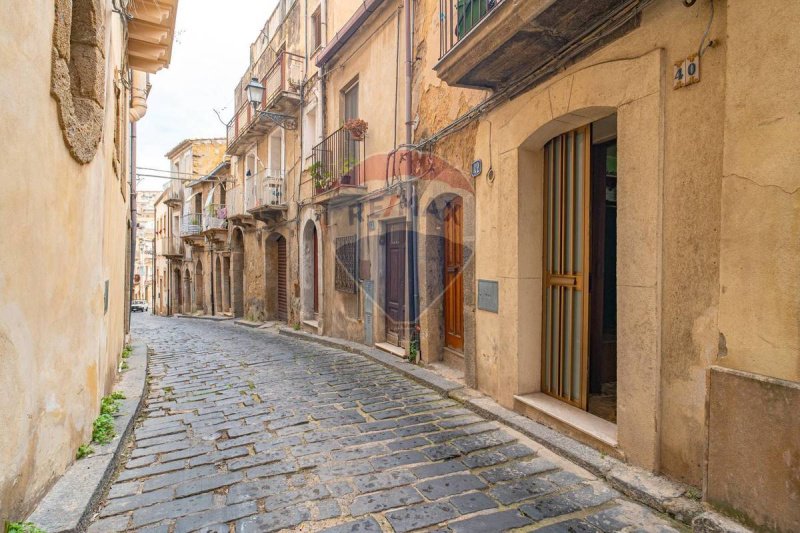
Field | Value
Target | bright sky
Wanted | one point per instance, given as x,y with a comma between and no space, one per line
210,54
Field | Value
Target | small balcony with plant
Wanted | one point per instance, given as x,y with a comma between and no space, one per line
192,227
215,221
493,44
337,170
266,195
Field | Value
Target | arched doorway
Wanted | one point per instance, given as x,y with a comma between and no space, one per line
236,268
310,271
176,296
199,289
275,262
187,292
219,307
226,284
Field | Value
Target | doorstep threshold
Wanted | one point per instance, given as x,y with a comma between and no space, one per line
585,422
311,323
391,348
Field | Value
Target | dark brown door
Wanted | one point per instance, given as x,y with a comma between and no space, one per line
453,281
395,280
316,271
283,308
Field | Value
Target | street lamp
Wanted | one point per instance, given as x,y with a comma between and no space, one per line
255,93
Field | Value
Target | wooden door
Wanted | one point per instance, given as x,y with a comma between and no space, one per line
395,280
315,266
453,280
283,307
565,316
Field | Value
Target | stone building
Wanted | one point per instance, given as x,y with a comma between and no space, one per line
74,87
190,217
145,233
587,210
635,234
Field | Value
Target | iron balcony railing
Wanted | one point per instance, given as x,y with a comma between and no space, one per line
170,246
337,161
267,189
215,216
285,76
191,224
458,18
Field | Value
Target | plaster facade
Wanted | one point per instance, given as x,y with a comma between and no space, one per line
61,330
706,213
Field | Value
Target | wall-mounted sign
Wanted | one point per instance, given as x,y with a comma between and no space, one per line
686,72
488,299
477,168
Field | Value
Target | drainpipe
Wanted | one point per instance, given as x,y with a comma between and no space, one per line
140,87
153,278
411,200
132,199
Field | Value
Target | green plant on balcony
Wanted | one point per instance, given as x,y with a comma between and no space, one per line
320,177
348,166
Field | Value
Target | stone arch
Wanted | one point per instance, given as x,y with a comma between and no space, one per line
276,297
187,292
199,288
218,298
176,305
78,74
435,199
237,272
310,270
633,89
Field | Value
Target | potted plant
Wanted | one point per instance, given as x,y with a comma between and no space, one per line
319,177
357,128
348,165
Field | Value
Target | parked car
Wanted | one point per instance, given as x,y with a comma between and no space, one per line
138,305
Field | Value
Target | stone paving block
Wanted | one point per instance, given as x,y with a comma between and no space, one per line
419,516
439,452
163,448
256,460
116,523
129,503
387,499
517,470
365,525
173,478
274,521
472,502
188,453
213,517
307,493
253,490
482,440
327,509
516,491
337,471
118,490
494,522
484,458
571,526
440,487
383,480
359,452
148,471
398,459
207,484
438,469
172,509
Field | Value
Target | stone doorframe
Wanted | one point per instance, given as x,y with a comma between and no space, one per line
634,90
306,266
430,259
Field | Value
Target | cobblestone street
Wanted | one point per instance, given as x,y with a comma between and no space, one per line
246,430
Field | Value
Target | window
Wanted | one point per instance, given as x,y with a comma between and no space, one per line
309,131
316,29
350,98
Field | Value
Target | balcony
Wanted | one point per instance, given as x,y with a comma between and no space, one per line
337,169
215,221
192,228
173,198
170,247
266,195
237,214
494,43
282,84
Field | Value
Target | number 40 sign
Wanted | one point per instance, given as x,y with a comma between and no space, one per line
686,72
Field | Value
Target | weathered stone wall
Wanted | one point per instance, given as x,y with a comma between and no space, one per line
59,342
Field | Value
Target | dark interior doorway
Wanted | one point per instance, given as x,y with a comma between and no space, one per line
602,399
395,281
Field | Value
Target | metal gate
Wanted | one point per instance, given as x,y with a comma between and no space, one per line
565,317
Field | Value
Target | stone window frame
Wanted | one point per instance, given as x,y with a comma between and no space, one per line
78,74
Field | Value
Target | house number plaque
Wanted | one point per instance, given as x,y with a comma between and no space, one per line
488,295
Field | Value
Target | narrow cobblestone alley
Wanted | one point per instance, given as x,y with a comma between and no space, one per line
246,430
